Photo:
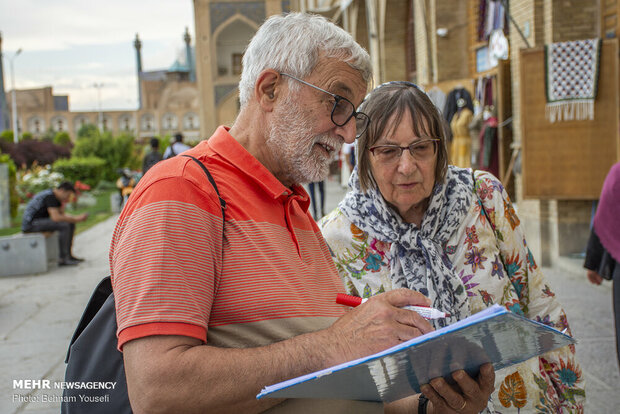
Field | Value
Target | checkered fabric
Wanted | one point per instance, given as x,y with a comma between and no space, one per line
571,79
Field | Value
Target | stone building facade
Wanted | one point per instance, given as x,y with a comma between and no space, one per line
431,42
168,103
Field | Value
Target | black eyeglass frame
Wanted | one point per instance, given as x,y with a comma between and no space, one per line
337,99
435,142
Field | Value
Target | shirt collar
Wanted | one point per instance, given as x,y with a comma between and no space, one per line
227,147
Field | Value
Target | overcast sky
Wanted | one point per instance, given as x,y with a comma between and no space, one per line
73,44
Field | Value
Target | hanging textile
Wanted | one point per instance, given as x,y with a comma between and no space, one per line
478,97
488,156
482,18
571,77
491,16
437,97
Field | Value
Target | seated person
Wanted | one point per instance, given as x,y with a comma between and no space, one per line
46,212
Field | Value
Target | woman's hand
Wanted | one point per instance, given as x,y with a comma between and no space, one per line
467,396
594,277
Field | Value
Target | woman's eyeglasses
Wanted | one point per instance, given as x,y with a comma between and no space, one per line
342,111
421,150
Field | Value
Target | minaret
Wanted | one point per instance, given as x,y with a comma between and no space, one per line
188,56
138,45
4,109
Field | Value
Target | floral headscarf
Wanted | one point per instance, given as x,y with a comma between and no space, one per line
418,258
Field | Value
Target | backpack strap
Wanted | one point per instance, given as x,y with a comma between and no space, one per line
104,288
212,181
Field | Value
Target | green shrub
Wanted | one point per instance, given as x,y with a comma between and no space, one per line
87,130
88,170
62,138
26,136
14,197
6,135
48,135
118,152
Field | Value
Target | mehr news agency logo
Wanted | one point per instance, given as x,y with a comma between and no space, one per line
31,384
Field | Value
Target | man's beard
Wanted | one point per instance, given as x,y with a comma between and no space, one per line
291,143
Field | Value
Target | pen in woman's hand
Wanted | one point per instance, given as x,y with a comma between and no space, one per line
424,311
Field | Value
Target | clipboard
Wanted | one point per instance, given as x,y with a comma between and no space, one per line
493,335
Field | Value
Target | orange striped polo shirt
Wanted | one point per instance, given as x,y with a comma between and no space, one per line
269,278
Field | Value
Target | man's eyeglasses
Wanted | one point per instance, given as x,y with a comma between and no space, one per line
342,111
421,150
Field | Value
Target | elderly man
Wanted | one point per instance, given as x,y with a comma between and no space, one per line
206,320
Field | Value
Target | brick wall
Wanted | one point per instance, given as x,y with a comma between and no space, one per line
547,21
530,211
451,51
553,227
361,29
422,44
394,55
574,20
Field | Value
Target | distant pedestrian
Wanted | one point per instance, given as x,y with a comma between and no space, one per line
152,157
176,147
317,207
348,163
603,251
46,212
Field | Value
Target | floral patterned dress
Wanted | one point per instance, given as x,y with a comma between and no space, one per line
490,255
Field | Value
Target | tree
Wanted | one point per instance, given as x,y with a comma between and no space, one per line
62,138
13,197
117,151
6,135
48,135
87,130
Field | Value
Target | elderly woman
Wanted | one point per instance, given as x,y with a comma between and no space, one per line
411,220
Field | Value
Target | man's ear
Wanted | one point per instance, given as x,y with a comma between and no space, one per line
267,88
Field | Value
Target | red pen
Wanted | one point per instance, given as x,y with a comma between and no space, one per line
425,311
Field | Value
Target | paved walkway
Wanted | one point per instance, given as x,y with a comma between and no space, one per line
37,317
39,313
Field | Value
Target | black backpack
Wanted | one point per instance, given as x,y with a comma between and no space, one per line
95,375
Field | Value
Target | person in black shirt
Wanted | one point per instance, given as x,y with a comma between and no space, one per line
152,157
45,212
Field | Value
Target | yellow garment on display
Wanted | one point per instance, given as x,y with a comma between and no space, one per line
460,151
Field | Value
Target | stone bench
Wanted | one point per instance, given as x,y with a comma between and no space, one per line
28,253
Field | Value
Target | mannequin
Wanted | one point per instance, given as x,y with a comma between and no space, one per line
461,141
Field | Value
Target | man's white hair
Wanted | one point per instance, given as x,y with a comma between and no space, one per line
293,43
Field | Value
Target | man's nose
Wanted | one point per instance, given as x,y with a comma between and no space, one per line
348,130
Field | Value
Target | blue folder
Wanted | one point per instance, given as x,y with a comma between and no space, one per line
493,335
